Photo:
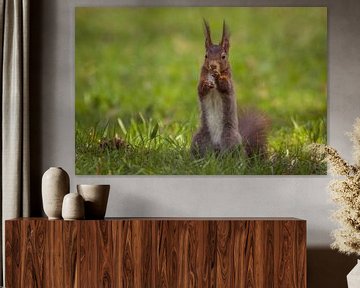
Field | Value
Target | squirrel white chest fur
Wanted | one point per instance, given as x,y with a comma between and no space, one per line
213,106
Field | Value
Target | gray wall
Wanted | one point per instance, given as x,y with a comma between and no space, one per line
52,132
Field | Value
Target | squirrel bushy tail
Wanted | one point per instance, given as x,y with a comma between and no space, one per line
254,127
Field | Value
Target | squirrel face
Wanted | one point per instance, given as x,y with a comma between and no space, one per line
216,56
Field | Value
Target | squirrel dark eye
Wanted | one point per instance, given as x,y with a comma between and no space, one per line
205,55
223,57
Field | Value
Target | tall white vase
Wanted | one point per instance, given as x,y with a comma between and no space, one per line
353,278
55,185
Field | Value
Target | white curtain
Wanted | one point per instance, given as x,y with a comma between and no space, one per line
14,25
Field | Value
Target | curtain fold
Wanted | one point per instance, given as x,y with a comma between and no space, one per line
15,156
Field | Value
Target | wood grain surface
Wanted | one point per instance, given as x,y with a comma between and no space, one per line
149,252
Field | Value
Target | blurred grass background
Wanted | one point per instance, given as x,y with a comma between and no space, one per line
132,61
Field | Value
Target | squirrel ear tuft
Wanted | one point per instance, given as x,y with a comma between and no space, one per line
207,33
225,40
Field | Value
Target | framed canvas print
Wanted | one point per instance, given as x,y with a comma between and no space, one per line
200,90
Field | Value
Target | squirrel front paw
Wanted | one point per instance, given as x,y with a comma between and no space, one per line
215,74
221,80
208,85
223,83
205,86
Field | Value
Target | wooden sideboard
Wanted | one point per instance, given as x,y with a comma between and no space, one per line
156,252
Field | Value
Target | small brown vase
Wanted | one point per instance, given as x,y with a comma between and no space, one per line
96,198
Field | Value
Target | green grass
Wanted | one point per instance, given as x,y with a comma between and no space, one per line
137,61
154,148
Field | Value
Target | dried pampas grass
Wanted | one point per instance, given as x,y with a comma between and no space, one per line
345,191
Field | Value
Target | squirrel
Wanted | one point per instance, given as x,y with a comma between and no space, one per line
222,129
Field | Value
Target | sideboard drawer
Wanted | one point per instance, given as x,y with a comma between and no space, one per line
156,252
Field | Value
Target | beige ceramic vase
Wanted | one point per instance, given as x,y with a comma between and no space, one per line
55,185
96,198
73,207
353,278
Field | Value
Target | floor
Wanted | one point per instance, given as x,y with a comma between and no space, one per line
328,268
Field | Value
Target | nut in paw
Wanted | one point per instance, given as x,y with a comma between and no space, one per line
215,74
209,84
